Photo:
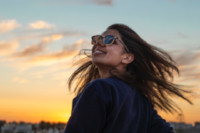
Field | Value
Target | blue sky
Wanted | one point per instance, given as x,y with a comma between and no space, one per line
39,40
152,17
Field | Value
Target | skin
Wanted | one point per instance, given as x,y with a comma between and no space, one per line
110,57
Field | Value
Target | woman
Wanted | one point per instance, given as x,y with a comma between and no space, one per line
121,84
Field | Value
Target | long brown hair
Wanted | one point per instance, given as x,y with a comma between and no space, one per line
151,72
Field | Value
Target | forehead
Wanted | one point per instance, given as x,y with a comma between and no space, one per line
112,32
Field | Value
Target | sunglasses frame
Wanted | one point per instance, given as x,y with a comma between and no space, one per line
114,38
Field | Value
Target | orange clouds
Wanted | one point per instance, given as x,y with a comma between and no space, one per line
188,62
34,48
50,58
7,48
38,48
30,50
19,80
57,56
40,25
35,56
53,37
8,25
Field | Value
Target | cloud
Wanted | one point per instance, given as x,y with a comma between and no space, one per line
7,48
64,67
197,55
82,2
182,35
30,50
19,80
78,45
190,73
8,25
38,48
41,25
185,57
51,58
103,2
46,35
188,62
51,38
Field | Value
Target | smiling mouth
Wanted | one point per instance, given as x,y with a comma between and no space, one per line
99,52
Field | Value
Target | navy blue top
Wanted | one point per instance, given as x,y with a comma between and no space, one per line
111,106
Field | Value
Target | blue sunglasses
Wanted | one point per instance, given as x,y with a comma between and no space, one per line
107,40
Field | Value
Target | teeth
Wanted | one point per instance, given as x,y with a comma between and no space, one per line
98,51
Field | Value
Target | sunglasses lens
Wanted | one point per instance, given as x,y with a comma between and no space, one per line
108,39
94,39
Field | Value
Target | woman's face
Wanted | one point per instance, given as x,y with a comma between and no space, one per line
111,55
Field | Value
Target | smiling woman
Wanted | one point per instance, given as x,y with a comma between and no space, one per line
123,83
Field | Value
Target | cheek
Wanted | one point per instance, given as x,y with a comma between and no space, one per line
93,47
115,53
114,57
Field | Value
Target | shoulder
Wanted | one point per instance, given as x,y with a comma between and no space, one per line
109,86
101,82
99,86
111,81
105,84
103,87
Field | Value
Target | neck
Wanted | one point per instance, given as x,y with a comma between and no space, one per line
104,72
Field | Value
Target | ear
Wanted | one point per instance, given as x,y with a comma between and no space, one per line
127,58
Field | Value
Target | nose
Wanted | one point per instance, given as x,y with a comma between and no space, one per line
100,42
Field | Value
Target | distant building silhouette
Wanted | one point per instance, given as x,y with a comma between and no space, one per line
197,125
23,127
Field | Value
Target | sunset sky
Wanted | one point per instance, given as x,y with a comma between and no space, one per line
39,41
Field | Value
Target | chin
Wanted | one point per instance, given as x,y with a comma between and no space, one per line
102,64
96,62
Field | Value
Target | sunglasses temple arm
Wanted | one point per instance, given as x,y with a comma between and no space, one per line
124,45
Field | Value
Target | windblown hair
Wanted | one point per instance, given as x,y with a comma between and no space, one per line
151,72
